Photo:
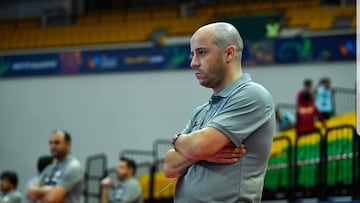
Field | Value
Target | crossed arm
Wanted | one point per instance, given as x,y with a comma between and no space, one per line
46,194
206,144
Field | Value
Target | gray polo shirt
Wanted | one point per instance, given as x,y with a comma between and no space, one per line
128,191
68,174
11,197
244,112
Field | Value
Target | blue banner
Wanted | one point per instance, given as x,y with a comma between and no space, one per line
315,49
172,57
295,50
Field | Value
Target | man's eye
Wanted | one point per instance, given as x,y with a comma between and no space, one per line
201,53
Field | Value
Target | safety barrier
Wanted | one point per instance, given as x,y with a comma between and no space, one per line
278,177
95,171
342,174
316,165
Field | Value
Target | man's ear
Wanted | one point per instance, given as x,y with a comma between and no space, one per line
230,53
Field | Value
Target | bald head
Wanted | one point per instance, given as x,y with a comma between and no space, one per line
223,35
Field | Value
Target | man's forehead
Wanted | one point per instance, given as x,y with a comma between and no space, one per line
201,40
122,163
201,45
202,34
57,136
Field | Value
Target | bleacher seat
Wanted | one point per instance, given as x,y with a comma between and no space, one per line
317,18
136,25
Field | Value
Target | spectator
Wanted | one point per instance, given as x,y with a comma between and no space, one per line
272,28
42,163
284,120
63,180
9,194
307,114
129,189
324,98
307,88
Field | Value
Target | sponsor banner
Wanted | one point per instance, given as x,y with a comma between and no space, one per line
315,49
295,50
42,64
157,58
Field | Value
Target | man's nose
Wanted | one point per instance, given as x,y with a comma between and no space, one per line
195,63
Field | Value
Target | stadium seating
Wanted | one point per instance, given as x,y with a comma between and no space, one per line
317,18
137,25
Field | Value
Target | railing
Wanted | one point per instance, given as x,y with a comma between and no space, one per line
278,181
344,100
95,171
307,167
286,107
322,166
315,166
341,175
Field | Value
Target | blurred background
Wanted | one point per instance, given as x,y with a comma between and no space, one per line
115,74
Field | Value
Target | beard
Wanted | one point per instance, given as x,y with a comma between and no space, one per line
122,177
214,76
58,154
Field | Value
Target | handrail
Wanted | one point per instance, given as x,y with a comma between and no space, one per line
344,90
88,176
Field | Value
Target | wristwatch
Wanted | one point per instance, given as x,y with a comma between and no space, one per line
173,140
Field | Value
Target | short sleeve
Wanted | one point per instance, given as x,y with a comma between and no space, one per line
73,175
133,192
44,173
188,127
245,112
14,197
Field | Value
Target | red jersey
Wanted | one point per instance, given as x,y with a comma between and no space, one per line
306,117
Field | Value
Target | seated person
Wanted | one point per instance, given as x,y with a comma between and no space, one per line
284,120
9,194
61,181
129,189
42,163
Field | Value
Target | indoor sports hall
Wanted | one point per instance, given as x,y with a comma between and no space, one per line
116,75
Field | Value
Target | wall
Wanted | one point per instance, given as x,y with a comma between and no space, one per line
110,112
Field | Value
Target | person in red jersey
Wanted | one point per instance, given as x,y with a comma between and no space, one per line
307,114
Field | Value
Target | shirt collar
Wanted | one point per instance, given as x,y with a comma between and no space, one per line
232,86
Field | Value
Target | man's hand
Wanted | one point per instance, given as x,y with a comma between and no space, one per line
37,191
106,183
228,154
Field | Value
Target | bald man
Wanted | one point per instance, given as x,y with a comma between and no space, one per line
62,181
209,158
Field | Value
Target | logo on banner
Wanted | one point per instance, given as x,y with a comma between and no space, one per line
34,65
102,62
4,66
144,59
70,62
